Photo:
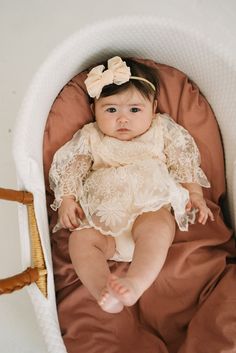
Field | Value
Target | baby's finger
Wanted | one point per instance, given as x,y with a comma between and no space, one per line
189,206
205,218
80,212
74,220
202,218
65,222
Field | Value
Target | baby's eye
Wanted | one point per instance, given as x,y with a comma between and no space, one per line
135,110
111,110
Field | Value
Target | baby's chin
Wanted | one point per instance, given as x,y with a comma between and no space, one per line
125,135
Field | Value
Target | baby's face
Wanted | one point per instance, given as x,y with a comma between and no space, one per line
124,115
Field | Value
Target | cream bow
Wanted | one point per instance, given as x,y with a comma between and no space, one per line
118,72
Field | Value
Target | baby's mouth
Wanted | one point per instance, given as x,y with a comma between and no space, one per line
123,129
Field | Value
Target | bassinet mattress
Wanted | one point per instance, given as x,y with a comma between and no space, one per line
191,300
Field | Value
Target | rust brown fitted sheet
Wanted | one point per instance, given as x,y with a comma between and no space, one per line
190,308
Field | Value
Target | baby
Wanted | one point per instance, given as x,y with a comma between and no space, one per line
123,182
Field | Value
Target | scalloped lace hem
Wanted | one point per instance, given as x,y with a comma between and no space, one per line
183,221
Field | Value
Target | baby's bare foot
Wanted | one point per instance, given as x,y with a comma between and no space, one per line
124,289
109,303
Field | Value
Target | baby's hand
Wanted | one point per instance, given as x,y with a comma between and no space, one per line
69,212
197,201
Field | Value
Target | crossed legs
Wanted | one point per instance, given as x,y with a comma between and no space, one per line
153,233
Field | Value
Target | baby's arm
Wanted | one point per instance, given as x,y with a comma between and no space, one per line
196,200
70,212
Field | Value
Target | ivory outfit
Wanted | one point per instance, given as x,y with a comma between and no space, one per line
115,181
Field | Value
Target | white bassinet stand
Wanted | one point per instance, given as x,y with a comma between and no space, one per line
164,41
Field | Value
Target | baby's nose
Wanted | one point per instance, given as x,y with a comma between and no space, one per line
122,118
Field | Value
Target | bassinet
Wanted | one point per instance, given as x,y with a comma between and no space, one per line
159,39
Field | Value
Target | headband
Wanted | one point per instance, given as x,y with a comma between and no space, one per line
118,73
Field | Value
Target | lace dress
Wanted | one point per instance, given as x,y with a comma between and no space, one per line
115,181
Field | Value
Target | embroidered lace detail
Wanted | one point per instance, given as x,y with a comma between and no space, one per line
69,169
183,158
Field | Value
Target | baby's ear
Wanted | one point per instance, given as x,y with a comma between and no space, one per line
92,108
155,105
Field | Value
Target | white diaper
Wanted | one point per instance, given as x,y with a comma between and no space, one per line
124,247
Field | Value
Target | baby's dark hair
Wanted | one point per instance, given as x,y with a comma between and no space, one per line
140,70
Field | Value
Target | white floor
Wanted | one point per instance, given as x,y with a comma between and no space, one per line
29,30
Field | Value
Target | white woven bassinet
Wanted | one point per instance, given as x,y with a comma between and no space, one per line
210,66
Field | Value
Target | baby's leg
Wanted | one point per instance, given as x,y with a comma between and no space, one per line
89,252
153,233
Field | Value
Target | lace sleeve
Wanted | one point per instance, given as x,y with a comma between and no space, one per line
70,166
182,154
